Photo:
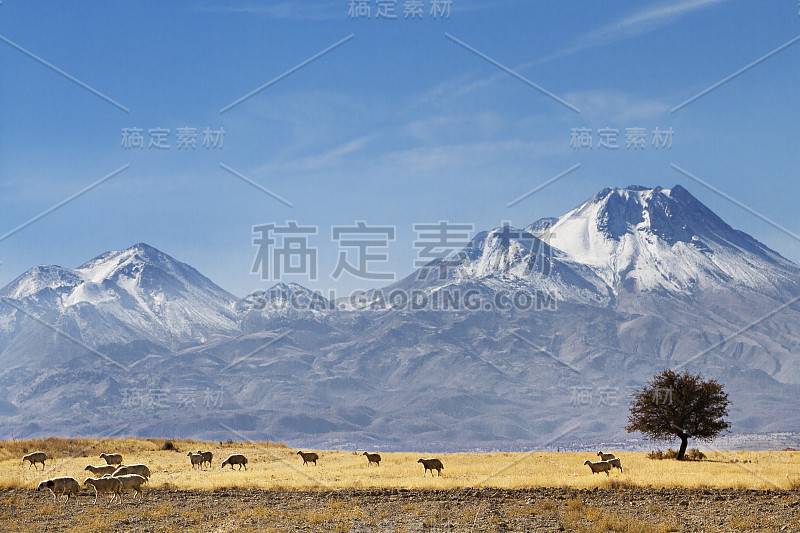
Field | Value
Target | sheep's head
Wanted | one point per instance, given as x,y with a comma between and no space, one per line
420,460
300,453
586,462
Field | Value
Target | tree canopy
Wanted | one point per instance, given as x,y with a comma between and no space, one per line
679,405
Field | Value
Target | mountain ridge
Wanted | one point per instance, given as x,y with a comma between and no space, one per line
643,282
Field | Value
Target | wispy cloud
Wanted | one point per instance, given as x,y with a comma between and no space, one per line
638,23
285,10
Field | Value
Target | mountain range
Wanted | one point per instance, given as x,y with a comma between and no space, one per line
527,338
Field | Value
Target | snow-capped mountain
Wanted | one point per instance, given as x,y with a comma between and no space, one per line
122,296
644,279
640,239
508,258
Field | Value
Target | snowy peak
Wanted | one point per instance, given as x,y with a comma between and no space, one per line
139,292
509,258
662,239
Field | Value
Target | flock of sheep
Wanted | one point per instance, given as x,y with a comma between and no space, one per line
605,464
115,478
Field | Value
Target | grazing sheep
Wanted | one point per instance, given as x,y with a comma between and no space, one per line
35,457
131,482
61,485
141,470
600,466
235,459
431,464
308,457
373,458
207,456
196,459
615,463
112,458
105,484
101,470
605,456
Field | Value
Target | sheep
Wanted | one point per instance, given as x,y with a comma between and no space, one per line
605,456
431,464
196,459
112,458
308,457
101,470
141,470
600,466
61,485
35,457
105,484
207,456
132,482
373,458
615,463
235,459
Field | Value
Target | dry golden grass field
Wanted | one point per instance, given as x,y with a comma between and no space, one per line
277,467
729,491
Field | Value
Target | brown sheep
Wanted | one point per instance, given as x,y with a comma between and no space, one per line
207,456
431,464
373,458
308,457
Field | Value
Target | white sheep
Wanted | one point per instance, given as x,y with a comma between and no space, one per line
61,485
112,458
105,484
235,459
615,463
101,470
132,482
600,466
605,456
196,459
207,456
35,457
141,470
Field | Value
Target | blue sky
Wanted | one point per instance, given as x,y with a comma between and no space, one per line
399,124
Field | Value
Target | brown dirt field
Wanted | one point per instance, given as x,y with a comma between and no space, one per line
535,509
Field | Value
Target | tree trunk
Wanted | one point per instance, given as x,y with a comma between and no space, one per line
684,442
